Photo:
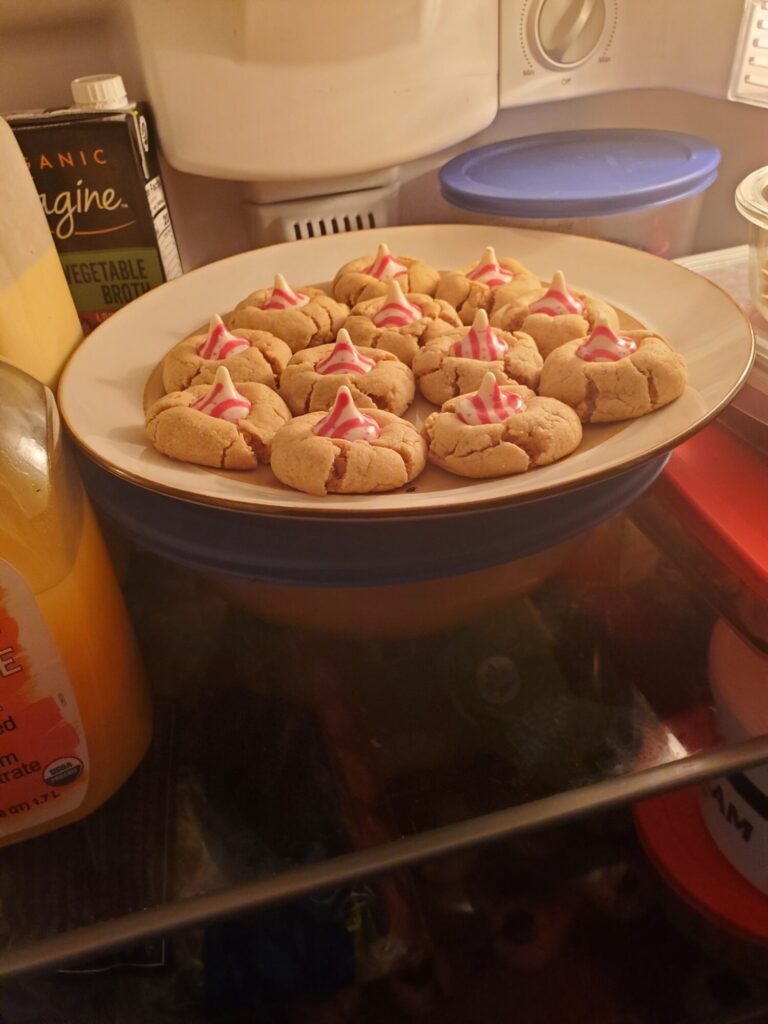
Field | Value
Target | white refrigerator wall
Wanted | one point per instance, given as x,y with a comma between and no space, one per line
43,46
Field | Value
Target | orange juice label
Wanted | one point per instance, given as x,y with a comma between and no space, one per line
43,754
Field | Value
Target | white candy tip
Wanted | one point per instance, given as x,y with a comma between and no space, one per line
383,249
489,255
394,291
481,321
214,322
601,320
343,337
223,377
487,386
280,282
558,280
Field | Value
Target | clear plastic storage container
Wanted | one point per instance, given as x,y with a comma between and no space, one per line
752,203
638,187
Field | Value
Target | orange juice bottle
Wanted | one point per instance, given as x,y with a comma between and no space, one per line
74,710
39,325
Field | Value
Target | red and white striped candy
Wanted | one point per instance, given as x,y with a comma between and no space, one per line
344,358
220,343
223,401
489,271
604,345
397,311
346,421
282,296
480,341
384,266
557,300
489,404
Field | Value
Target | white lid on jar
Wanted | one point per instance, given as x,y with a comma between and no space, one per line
752,197
733,807
738,675
100,92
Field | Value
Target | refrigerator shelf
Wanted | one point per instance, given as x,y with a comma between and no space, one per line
140,926
287,764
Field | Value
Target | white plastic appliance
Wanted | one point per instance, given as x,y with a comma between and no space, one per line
332,104
325,117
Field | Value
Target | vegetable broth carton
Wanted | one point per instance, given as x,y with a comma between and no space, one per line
95,168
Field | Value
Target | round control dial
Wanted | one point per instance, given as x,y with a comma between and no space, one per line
568,31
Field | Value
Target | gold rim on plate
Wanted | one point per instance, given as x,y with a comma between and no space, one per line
258,266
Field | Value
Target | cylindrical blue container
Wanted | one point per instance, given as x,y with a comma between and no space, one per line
639,187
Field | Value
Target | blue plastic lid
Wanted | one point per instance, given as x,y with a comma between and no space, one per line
581,173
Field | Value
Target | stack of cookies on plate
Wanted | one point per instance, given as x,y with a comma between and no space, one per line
318,385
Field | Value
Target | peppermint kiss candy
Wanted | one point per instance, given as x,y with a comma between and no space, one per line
283,296
220,342
346,421
384,266
397,311
488,271
480,341
344,358
557,300
489,404
223,401
604,345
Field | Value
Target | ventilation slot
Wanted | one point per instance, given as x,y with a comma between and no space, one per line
319,216
749,77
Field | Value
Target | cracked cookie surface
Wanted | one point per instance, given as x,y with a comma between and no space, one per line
441,376
545,431
467,296
404,342
188,435
550,332
604,392
352,285
325,465
263,363
389,385
316,323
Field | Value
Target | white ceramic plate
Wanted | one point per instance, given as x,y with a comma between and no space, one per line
101,391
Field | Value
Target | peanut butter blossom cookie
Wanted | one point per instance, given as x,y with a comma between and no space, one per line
554,315
500,431
608,376
299,317
487,284
368,276
347,451
399,323
455,363
376,379
218,424
255,357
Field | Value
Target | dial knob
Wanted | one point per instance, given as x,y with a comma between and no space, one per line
568,31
